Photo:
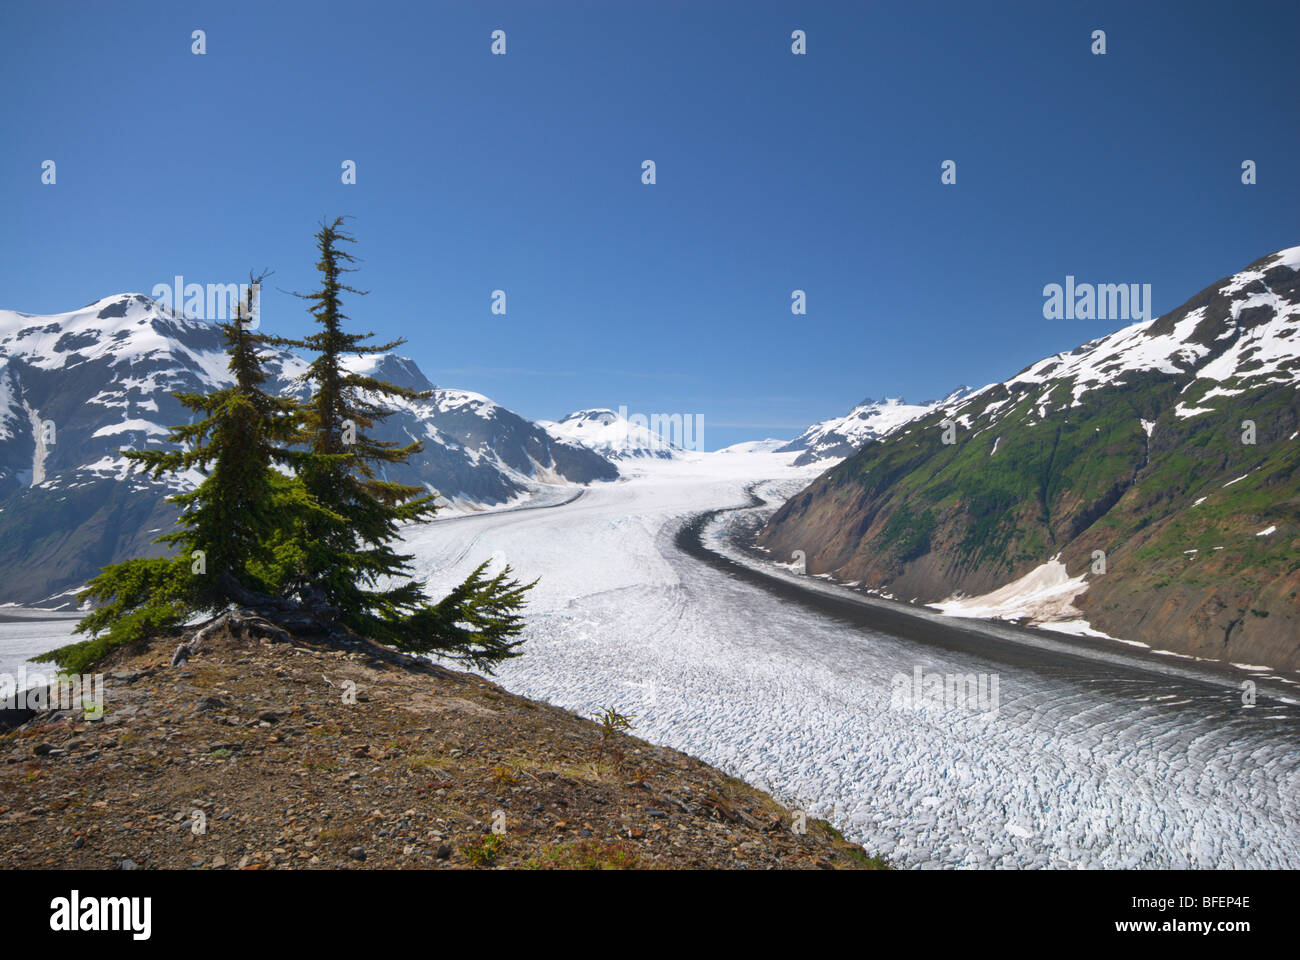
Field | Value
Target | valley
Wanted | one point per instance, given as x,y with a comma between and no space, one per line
1098,755
1135,495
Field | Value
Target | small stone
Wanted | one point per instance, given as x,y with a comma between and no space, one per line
127,865
444,851
357,853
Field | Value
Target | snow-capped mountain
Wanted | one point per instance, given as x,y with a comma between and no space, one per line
76,388
1237,335
844,436
612,435
1169,449
476,452
753,446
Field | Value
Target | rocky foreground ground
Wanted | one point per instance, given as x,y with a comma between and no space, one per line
264,755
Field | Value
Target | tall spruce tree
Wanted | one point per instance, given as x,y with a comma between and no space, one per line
347,560
353,572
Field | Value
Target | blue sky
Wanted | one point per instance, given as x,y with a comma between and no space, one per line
775,172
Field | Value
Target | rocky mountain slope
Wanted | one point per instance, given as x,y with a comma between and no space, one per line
844,436
248,757
76,388
1160,464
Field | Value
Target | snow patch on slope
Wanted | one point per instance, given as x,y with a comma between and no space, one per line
8,400
39,450
1043,595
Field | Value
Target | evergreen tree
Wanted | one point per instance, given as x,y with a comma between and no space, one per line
235,520
350,561
353,571
290,519
238,530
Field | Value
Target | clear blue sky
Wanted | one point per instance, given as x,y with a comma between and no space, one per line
775,172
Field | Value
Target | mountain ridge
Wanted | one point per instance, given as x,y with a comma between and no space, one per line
77,387
869,420
1159,463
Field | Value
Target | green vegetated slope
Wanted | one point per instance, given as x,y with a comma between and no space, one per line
1059,461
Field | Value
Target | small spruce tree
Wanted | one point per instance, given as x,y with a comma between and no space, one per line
236,532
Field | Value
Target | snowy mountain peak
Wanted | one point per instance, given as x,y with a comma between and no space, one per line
611,435
597,415
126,329
1289,258
1167,447
959,394
390,367
843,436
1238,334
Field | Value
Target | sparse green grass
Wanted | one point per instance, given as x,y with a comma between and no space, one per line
587,855
869,860
484,853
590,770
1086,469
430,762
342,836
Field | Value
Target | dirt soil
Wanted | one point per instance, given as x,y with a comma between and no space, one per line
248,757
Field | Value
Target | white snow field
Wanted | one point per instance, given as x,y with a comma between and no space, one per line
1083,763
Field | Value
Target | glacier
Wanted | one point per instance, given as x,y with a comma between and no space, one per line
1086,763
